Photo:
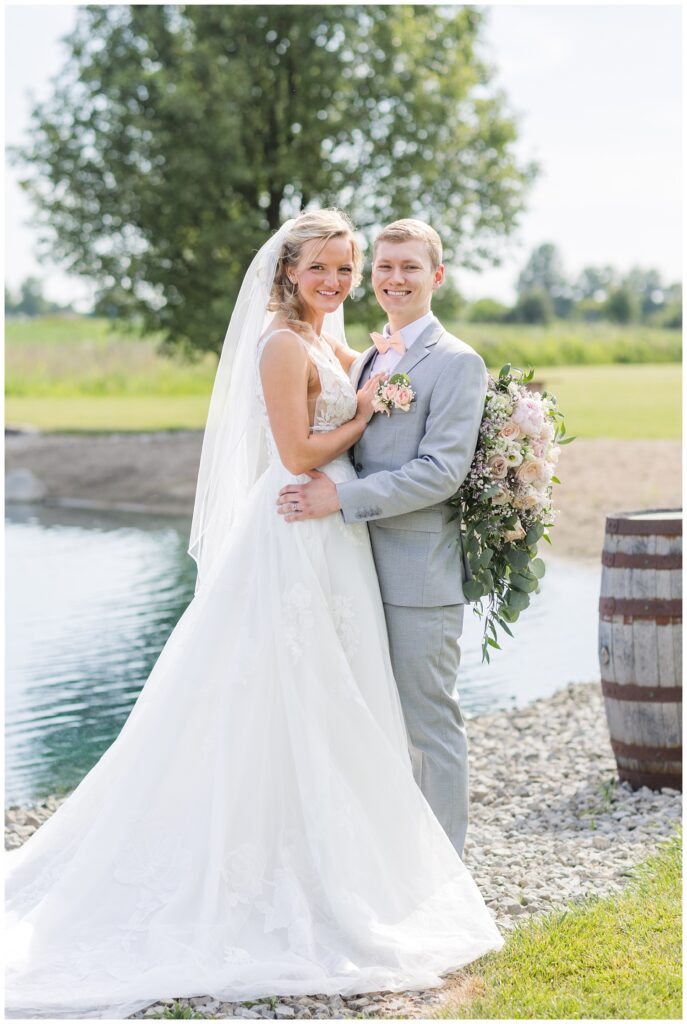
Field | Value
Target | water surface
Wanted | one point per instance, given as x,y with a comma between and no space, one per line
92,597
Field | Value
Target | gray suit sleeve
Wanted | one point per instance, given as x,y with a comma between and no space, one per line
444,454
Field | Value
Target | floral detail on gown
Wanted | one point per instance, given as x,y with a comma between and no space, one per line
255,829
345,623
298,619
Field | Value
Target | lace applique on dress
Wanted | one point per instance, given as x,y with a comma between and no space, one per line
345,623
298,617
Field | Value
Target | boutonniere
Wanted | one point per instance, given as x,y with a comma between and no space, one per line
393,392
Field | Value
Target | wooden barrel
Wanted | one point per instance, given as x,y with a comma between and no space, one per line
640,644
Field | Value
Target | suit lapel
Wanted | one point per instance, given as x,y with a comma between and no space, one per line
420,348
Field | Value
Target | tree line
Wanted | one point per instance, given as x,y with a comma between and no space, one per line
545,291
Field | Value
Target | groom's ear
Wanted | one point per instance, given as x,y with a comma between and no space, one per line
439,276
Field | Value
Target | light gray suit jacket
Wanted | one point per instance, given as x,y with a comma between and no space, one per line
410,463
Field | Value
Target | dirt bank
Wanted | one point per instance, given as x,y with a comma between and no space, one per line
157,473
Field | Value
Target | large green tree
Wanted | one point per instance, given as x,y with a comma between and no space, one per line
177,136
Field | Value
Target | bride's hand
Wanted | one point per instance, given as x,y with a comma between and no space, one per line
365,396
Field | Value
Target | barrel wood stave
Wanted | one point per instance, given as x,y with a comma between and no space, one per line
640,645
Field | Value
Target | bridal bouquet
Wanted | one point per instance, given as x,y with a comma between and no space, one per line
505,503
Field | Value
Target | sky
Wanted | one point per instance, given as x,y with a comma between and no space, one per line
597,91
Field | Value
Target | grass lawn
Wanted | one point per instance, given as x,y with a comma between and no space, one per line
109,412
637,401
614,958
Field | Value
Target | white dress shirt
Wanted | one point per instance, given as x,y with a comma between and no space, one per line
385,363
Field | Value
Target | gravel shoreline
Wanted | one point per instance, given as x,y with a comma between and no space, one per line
549,825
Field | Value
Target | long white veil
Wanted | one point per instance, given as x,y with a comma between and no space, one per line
234,453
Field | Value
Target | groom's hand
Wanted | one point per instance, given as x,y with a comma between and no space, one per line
308,501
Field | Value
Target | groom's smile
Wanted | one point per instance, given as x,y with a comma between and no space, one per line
404,280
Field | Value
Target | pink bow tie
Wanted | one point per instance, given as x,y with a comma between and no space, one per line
384,344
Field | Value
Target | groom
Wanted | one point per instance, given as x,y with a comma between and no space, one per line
408,465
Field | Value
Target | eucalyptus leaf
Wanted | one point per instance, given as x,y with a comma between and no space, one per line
485,557
517,601
522,583
538,568
503,625
472,590
534,534
517,558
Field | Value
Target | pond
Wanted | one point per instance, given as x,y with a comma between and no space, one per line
92,597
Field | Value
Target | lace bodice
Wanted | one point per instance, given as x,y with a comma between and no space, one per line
336,402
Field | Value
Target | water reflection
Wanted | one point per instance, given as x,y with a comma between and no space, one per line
92,598
91,601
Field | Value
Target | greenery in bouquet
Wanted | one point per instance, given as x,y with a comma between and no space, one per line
505,503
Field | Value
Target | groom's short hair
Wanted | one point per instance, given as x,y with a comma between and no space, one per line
404,230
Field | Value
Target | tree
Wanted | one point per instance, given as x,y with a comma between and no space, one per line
487,311
533,307
621,306
594,283
177,136
543,273
647,286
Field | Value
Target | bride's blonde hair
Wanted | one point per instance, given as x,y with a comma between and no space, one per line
309,227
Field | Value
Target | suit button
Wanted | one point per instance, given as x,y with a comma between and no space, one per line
358,466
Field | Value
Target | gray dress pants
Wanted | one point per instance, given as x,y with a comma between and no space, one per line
425,656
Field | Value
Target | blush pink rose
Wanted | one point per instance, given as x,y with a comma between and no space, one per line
501,497
403,399
498,467
390,391
528,472
510,430
539,448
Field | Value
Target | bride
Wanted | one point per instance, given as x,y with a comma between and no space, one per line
255,829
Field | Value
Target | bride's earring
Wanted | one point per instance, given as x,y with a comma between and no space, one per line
294,286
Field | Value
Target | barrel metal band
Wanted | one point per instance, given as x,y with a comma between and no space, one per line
654,780
624,560
635,691
641,752
644,527
654,608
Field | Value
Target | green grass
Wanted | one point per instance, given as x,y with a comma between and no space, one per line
109,413
562,343
614,958
598,401
54,357
630,402
74,374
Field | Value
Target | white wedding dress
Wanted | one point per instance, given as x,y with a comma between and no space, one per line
255,828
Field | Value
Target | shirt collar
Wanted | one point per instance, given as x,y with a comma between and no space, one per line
411,332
